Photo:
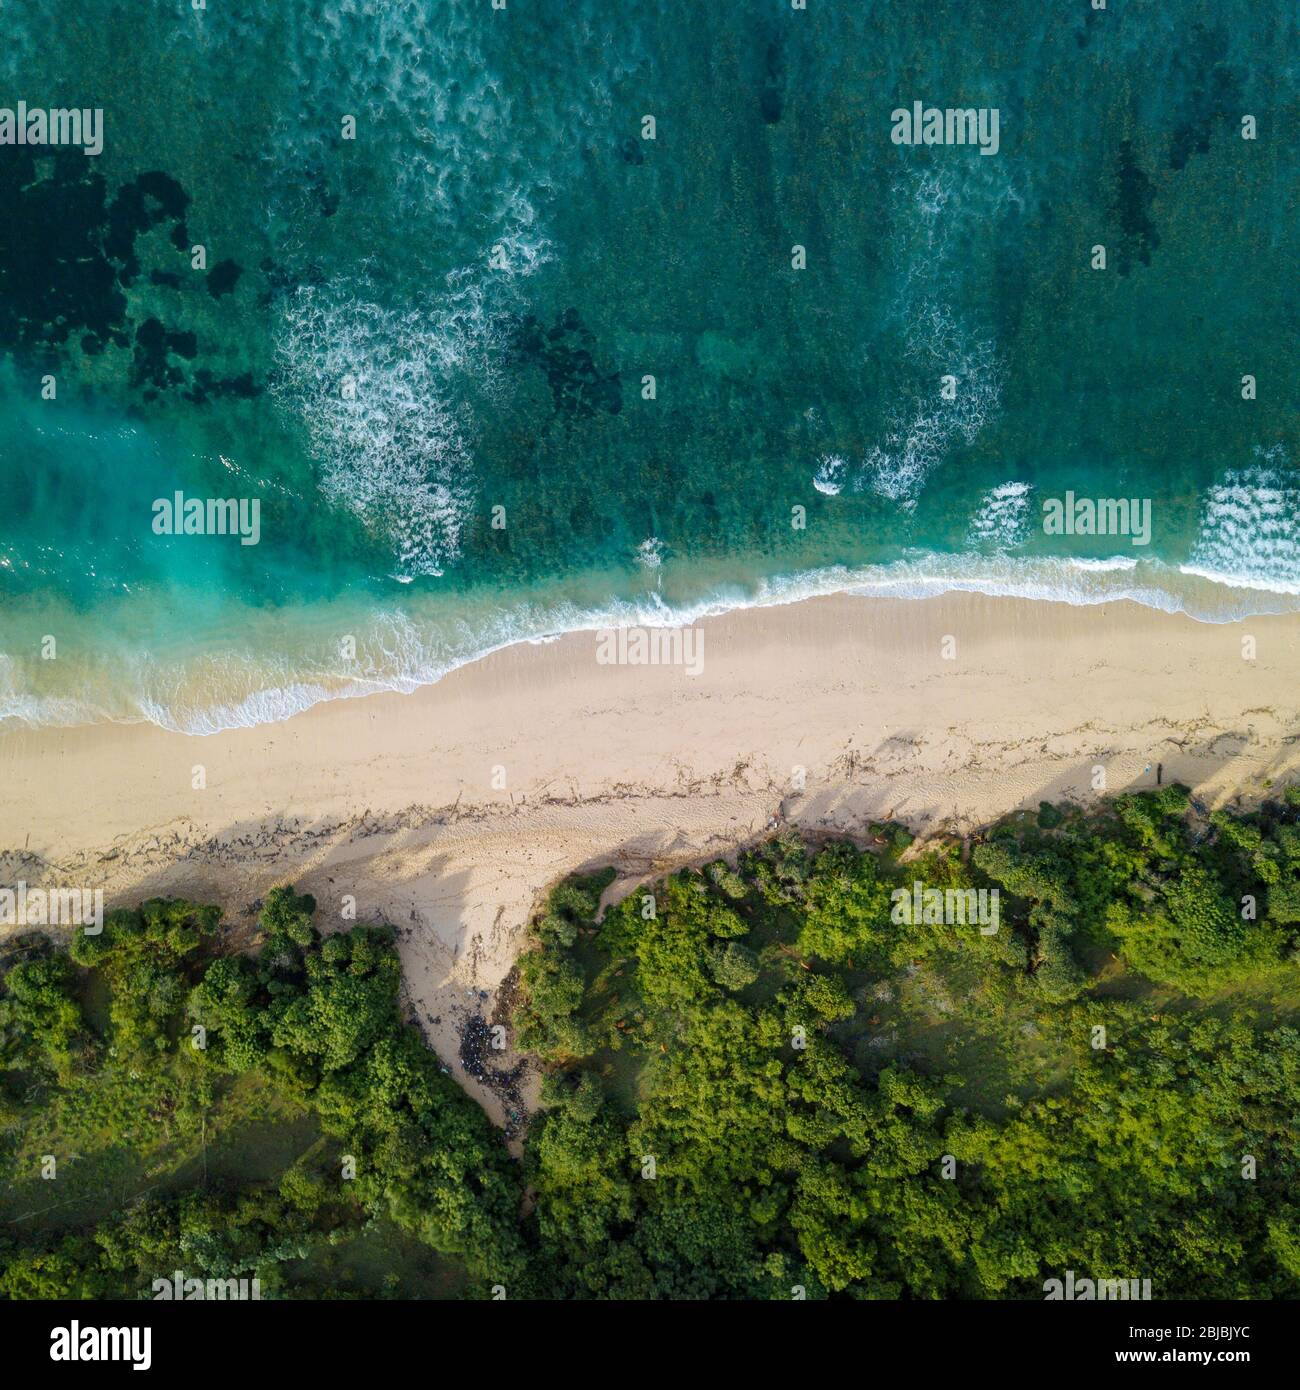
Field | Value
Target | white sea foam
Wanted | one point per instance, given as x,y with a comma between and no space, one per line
38,710
370,385
384,394
921,426
1002,521
386,382
829,477
1249,533
920,435
1109,562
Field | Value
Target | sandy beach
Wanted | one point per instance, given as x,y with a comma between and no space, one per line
447,812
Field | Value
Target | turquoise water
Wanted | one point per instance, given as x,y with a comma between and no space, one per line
395,339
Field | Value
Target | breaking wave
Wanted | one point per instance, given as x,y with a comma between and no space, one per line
1250,528
1002,522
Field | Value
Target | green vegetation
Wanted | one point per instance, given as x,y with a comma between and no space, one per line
209,1123
756,1079
832,1099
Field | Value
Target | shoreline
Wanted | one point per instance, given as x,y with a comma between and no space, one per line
403,651
391,799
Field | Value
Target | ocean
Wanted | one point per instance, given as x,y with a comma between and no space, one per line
544,315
